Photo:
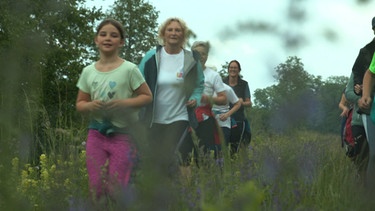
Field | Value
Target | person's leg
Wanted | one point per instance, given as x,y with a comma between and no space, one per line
171,144
247,133
209,140
121,164
96,158
370,132
185,147
361,149
343,122
206,134
165,167
236,134
226,133
122,159
160,148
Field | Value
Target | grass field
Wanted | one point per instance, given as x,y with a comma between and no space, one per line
303,171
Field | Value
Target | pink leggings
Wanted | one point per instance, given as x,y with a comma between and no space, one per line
110,161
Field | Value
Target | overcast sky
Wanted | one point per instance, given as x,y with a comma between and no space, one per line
217,21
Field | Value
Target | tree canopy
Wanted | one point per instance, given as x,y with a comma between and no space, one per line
299,100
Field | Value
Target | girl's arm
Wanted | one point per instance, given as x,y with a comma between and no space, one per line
343,107
219,99
144,97
85,105
235,107
247,101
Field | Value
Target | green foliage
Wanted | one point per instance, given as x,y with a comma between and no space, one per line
44,46
52,184
224,70
301,171
139,19
298,100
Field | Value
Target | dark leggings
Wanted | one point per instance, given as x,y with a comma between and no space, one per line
171,143
239,137
207,132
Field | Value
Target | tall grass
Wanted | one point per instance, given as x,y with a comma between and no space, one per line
299,171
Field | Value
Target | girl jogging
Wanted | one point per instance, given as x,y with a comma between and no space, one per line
110,92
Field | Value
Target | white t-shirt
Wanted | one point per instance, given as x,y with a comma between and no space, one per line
212,83
219,109
170,105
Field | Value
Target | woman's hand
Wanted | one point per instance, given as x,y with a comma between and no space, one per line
365,103
191,103
358,89
345,112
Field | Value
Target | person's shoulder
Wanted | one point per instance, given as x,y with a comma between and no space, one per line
152,51
229,90
192,53
89,67
370,45
149,54
211,71
227,87
129,64
240,80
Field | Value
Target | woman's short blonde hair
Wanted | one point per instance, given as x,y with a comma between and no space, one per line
163,26
204,44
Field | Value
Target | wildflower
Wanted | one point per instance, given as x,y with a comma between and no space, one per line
30,169
44,174
15,162
43,159
15,165
53,168
83,154
67,183
34,183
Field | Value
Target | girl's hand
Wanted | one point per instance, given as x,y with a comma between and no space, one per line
96,105
223,117
117,107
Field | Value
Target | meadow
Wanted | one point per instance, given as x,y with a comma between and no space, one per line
298,171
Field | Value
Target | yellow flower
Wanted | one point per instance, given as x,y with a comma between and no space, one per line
44,175
15,162
34,183
53,168
30,170
43,158
24,174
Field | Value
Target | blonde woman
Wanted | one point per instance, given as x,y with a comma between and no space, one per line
175,77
